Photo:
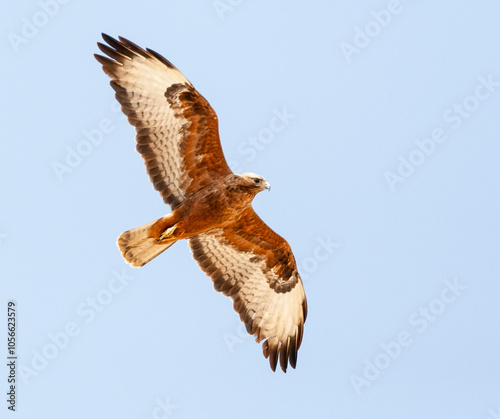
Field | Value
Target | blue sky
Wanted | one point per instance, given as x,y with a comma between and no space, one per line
385,181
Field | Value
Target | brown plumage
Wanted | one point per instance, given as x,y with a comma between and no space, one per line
178,138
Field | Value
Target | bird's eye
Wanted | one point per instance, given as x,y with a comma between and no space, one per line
256,180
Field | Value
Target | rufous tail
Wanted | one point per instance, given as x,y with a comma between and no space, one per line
138,248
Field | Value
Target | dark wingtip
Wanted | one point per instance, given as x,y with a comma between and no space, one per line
99,58
273,358
109,39
161,58
283,354
292,352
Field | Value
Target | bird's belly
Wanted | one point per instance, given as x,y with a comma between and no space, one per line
205,213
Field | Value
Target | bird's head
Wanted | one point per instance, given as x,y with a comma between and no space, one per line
253,182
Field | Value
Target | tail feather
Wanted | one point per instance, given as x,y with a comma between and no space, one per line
138,248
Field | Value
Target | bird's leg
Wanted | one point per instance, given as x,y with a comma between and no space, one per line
167,234
163,228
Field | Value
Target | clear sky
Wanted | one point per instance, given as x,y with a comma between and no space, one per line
385,181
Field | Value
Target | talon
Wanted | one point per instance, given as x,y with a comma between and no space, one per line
166,234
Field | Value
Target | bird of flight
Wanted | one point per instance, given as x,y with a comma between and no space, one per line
178,138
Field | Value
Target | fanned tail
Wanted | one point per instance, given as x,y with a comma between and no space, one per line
138,248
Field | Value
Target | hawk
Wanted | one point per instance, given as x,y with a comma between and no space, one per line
178,138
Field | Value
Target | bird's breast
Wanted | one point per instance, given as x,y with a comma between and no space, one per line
214,207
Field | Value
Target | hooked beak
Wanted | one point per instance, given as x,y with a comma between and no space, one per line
267,186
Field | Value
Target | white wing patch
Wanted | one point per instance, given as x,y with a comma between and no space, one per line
277,317
141,79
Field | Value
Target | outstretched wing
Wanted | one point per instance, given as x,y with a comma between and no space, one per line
254,266
177,129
